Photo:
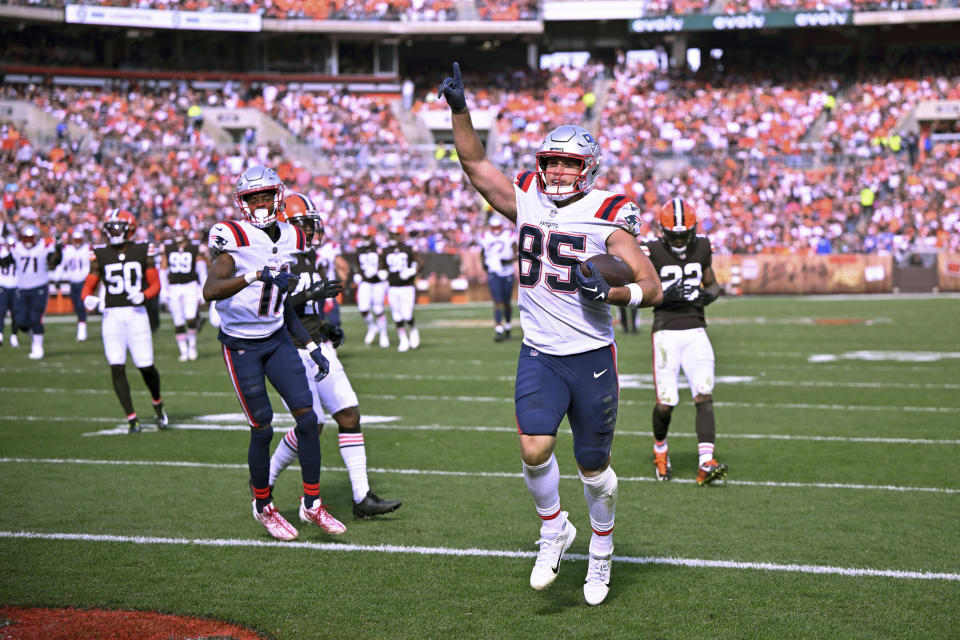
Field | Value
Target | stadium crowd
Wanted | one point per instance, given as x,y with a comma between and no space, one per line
731,148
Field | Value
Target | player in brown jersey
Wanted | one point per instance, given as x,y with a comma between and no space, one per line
130,278
183,271
371,281
402,267
684,262
333,395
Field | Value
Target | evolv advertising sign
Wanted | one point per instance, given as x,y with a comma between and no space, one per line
743,21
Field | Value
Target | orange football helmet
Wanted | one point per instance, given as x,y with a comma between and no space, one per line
300,210
678,226
119,226
181,230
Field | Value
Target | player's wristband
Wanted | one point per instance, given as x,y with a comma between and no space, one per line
249,277
311,346
636,295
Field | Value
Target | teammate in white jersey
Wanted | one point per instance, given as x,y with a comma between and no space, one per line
35,258
567,364
74,269
249,279
496,246
8,289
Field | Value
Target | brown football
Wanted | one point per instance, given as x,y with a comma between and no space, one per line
613,269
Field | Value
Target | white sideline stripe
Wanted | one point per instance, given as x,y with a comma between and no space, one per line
472,474
283,423
696,563
645,380
509,399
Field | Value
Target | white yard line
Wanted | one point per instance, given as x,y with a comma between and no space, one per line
473,474
696,563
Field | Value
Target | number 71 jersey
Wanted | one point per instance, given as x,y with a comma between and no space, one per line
256,311
551,243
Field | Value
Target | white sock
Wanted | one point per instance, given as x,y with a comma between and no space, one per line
38,341
402,333
354,455
191,339
543,482
285,454
382,323
601,494
705,449
182,343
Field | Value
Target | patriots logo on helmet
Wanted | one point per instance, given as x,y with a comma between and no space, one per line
220,242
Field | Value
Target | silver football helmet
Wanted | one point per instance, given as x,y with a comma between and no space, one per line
568,141
29,236
255,180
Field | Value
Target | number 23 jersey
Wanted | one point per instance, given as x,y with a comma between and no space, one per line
551,242
687,314
256,311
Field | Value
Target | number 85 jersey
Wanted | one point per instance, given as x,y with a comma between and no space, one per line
551,243
256,311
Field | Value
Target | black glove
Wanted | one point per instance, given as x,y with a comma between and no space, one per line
323,364
334,334
452,90
706,297
324,289
676,292
593,288
281,280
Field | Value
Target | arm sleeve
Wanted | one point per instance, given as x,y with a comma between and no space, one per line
90,285
292,322
153,283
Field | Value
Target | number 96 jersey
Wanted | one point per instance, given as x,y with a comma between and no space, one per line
551,243
256,311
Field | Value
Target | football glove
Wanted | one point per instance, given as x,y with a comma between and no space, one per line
676,292
452,90
324,289
91,302
706,297
281,280
136,297
323,365
408,273
334,334
593,288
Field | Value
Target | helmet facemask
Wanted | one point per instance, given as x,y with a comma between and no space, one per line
262,214
117,231
677,242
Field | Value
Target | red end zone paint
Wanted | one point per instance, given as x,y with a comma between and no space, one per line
22,623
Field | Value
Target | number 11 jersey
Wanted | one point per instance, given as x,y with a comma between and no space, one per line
551,242
256,311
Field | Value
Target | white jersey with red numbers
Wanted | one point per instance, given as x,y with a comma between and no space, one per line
32,268
256,311
76,263
551,242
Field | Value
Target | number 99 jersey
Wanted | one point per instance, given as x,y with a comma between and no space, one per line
686,314
551,243
256,311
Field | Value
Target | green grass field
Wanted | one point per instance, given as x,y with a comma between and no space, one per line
839,419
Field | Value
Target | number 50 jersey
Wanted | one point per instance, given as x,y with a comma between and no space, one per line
256,311
123,271
551,243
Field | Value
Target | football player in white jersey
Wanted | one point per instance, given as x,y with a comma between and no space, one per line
8,289
567,365
35,258
74,269
249,279
496,247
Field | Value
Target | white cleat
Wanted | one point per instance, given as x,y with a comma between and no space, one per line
182,358
192,354
36,354
384,340
551,553
414,338
14,340
597,585
319,516
82,332
371,336
404,345
275,523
